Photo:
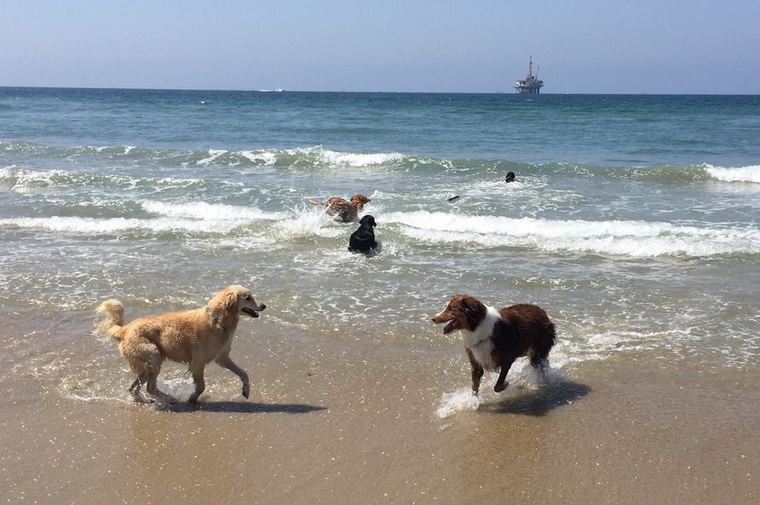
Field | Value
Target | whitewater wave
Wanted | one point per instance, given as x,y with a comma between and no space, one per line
201,217
22,180
210,212
313,156
109,226
621,238
358,159
321,157
627,238
738,174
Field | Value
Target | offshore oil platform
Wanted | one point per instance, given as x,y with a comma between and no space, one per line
531,85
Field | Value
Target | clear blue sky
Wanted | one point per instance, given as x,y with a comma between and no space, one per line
591,46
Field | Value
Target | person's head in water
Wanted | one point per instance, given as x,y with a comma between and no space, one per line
510,177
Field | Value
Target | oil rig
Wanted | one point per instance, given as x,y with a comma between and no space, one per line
531,85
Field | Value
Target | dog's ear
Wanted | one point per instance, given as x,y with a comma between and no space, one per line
230,301
474,311
222,306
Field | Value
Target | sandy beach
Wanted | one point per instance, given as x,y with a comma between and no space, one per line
331,423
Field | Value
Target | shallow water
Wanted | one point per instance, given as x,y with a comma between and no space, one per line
621,258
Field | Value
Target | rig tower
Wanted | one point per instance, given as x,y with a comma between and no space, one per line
531,85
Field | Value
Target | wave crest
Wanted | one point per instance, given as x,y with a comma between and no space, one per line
626,238
749,173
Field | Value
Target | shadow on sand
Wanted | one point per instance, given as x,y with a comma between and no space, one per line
539,402
242,407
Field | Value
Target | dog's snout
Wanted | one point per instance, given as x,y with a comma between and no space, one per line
263,306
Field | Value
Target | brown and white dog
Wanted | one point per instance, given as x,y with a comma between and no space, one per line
196,337
493,339
343,210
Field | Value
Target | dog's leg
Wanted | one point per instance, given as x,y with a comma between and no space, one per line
145,360
476,374
230,365
501,383
154,391
136,385
134,389
200,384
539,361
542,370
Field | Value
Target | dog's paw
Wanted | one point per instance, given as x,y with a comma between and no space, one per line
169,400
246,390
500,387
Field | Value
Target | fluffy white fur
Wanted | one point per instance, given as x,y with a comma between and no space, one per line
479,341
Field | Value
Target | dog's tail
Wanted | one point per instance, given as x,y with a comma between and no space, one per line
111,319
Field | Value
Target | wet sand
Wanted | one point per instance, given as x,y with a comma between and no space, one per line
343,421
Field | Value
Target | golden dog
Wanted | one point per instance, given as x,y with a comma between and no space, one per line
342,210
196,337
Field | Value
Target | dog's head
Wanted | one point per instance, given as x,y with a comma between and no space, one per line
359,200
463,312
367,220
232,301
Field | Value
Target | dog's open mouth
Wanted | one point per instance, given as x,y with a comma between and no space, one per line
250,312
453,325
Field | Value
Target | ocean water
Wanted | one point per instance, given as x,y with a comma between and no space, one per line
634,220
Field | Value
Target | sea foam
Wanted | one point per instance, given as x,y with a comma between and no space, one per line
749,173
358,159
628,238
213,212
198,217
457,401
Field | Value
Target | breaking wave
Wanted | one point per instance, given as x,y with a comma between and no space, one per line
320,157
739,174
628,238
314,156
195,218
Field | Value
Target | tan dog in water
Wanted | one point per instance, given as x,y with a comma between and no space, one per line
343,210
196,337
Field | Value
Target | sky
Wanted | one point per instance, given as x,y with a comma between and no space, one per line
581,46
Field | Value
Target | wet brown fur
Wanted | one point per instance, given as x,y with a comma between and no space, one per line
343,210
523,330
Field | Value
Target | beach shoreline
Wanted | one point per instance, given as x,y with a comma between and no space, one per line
335,422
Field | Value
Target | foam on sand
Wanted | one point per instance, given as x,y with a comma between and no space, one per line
522,377
458,401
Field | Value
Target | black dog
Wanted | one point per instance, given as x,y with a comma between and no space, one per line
363,239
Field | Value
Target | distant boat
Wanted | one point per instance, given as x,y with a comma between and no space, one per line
275,90
531,85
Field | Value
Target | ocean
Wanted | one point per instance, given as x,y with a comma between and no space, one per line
634,220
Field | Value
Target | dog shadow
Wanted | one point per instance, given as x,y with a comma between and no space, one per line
539,402
242,407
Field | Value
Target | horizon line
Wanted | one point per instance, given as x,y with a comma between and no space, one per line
282,90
